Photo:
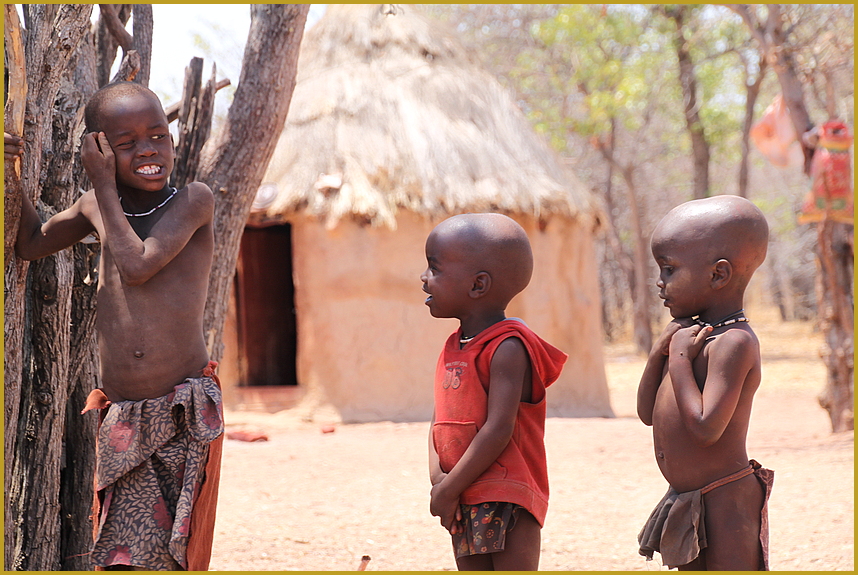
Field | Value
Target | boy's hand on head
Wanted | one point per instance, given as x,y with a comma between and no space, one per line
688,341
98,160
13,146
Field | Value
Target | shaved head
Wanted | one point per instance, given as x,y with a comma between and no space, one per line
493,243
720,227
107,94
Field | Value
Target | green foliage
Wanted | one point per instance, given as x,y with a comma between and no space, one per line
588,67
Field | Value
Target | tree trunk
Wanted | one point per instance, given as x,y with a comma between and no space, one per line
78,467
688,83
196,110
834,244
142,31
106,44
40,356
234,164
752,91
51,363
640,288
638,279
775,48
835,257
622,258
15,270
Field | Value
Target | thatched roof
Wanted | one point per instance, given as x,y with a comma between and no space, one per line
389,113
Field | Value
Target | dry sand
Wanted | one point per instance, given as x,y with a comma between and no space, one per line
307,500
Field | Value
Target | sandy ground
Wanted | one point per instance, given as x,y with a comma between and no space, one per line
307,500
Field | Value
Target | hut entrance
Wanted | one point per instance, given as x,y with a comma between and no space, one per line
265,298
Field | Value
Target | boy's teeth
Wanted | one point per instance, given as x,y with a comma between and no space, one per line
148,170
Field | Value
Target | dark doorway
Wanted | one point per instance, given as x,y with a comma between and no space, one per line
265,294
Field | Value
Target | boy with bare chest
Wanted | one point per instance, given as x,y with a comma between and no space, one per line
159,440
697,389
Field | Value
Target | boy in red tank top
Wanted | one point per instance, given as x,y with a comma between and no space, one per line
486,450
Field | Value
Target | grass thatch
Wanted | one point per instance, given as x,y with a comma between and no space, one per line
391,113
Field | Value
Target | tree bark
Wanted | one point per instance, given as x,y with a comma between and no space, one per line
105,43
40,354
836,316
49,446
142,31
233,164
78,461
195,121
15,270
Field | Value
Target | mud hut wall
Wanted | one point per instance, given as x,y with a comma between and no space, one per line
562,305
366,343
228,369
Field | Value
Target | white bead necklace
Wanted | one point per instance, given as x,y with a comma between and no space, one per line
729,320
153,210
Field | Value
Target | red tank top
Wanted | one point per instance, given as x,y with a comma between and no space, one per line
520,473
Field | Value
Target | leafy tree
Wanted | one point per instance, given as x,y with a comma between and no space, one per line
800,42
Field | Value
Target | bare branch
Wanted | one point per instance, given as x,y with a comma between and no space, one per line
129,67
117,30
142,39
172,110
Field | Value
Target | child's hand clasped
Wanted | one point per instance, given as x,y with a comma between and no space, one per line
663,342
447,509
98,159
688,341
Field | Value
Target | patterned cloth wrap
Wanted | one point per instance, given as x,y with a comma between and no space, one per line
486,526
150,465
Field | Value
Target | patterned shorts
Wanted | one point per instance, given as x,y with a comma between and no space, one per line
486,526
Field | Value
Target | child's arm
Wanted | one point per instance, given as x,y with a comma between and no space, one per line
436,474
36,240
654,371
138,260
506,375
732,355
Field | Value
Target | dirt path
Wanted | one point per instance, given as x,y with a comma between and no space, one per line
307,500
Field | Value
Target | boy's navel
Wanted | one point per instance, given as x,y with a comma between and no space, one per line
138,354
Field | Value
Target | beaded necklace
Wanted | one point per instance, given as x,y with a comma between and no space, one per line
735,317
152,211
463,340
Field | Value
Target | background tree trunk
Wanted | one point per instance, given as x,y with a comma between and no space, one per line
752,92
836,316
688,82
233,164
834,244
638,278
